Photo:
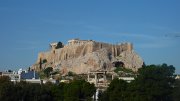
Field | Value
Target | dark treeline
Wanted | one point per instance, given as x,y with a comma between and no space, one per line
153,83
75,91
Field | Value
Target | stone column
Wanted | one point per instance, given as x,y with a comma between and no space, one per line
113,50
88,77
96,79
104,76
112,76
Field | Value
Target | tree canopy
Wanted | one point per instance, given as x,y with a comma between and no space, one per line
47,71
79,90
74,91
153,83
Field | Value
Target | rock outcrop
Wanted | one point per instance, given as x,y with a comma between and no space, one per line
81,56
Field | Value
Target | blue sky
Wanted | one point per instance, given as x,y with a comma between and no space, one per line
28,26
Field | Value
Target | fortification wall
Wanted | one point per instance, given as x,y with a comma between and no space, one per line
80,49
86,52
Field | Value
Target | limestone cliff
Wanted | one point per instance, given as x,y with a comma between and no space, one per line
81,56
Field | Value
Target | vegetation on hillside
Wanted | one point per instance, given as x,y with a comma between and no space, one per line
46,72
123,70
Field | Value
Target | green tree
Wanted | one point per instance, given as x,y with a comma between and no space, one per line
71,73
176,91
103,96
7,92
44,61
59,45
58,91
47,71
154,83
32,92
117,91
78,90
4,79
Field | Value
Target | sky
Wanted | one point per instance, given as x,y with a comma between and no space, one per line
28,26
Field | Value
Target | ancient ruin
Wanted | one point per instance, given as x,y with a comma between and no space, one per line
82,56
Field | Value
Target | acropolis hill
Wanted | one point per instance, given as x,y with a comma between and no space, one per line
81,56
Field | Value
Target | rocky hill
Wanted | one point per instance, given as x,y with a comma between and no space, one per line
81,56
